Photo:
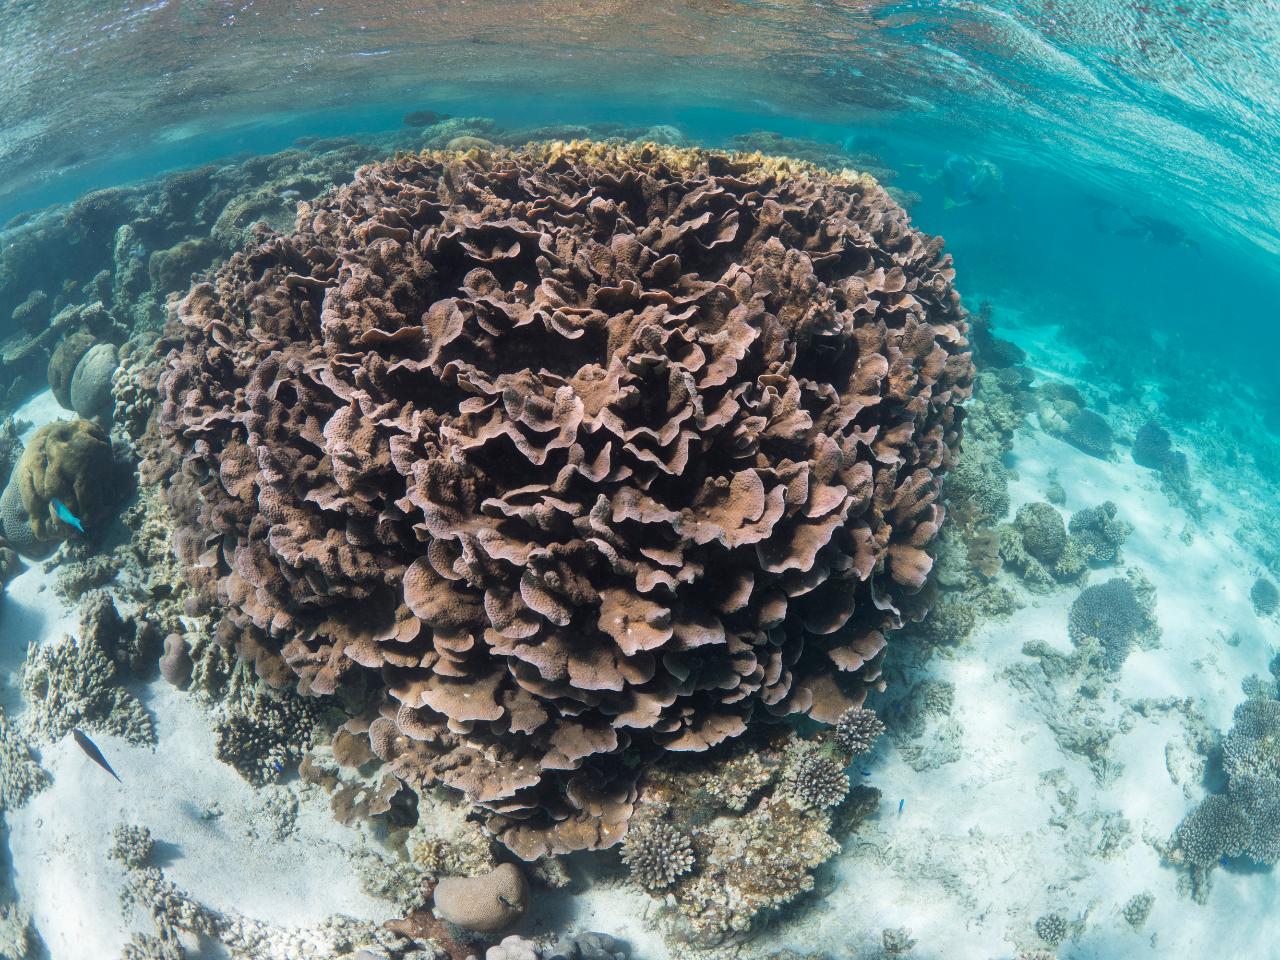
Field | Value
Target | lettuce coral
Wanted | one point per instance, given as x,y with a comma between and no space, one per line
580,451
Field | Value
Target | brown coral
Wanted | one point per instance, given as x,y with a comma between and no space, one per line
585,449
69,461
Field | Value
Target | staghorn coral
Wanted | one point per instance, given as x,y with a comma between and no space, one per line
618,445
657,854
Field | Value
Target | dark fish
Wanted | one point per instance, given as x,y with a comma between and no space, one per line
91,750
901,803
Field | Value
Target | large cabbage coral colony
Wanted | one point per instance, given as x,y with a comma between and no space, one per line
577,453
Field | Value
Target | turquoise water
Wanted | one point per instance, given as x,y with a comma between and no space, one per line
1106,176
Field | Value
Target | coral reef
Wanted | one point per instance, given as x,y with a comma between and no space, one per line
754,843
1044,535
1051,928
1100,532
1264,596
1244,821
816,780
1137,908
21,777
266,739
131,845
623,452
586,946
90,392
70,462
176,664
657,854
485,904
78,682
856,730
1116,615
1152,446
1089,431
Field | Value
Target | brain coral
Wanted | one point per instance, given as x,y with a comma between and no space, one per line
582,450
69,461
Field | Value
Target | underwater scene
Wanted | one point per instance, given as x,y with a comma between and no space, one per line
721,480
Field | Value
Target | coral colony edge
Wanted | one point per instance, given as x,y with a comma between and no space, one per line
577,544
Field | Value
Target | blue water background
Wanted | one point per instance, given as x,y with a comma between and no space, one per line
1165,110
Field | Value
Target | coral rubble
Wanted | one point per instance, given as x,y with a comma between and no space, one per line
583,451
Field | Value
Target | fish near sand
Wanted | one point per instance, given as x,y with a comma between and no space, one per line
91,750
65,515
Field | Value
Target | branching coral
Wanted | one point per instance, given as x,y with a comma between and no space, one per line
1245,820
856,730
657,853
585,450
1100,532
79,682
268,739
21,777
816,781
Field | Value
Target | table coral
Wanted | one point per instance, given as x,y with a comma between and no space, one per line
585,450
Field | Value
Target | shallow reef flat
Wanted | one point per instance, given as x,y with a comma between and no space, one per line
1018,784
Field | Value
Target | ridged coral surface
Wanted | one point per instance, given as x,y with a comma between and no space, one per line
583,450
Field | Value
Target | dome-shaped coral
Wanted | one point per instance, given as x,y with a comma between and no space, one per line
583,450
70,462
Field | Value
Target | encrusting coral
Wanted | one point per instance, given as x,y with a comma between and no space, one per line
584,450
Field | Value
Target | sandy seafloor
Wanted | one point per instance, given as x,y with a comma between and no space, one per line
982,846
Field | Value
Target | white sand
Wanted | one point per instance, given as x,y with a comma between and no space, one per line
59,840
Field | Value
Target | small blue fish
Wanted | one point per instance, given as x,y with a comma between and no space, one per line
901,803
866,773
65,514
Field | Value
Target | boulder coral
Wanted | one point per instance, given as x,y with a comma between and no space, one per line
579,451
69,461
